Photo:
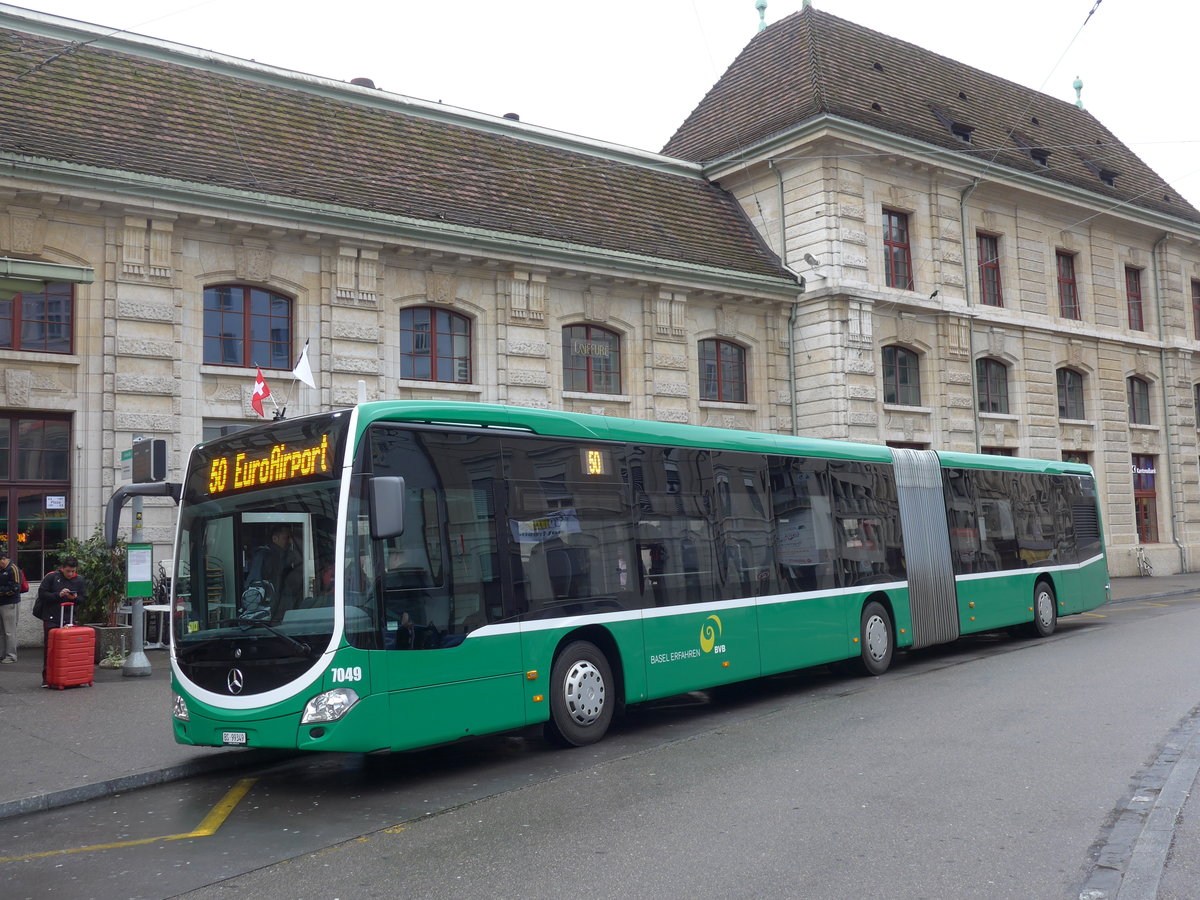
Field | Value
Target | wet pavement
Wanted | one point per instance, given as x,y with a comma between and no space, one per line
64,747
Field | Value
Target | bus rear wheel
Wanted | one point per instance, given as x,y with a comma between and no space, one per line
875,638
581,701
1045,610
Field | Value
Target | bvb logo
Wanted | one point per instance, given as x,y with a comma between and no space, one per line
709,634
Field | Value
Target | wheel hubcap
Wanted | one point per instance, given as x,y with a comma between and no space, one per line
1045,608
584,692
877,637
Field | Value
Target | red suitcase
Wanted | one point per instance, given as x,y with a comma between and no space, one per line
70,654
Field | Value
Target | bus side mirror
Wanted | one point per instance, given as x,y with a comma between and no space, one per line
387,506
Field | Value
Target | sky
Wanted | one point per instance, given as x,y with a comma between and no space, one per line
629,71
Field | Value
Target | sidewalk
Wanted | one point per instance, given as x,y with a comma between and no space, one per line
63,747
67,746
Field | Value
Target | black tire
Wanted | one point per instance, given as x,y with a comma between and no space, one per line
1045,610
581,696
876,640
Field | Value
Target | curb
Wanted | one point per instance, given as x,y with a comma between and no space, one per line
84,792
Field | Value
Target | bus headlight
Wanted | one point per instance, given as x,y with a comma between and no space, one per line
329,706
180,711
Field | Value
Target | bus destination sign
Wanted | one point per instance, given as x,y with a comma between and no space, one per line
280,465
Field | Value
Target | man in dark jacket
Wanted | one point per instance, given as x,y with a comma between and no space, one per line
63,585
10,606
279,565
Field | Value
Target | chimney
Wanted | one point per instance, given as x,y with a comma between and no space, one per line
363,82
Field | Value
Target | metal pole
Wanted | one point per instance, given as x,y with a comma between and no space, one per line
137,663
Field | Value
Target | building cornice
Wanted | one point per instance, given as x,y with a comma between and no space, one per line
124,186
836,127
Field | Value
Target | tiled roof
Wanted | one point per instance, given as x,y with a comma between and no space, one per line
150,114
813,64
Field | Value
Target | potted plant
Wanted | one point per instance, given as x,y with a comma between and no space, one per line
104,573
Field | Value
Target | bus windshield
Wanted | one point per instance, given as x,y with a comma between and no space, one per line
256,550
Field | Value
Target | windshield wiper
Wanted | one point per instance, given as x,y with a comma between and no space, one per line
247,624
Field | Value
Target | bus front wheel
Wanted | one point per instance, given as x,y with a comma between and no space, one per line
581,700
875,636
1045,610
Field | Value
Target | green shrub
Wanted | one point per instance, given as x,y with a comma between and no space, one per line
104,573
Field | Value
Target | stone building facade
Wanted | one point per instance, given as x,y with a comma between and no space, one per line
840,264
986,269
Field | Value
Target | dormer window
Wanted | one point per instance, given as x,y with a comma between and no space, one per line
960,130
1039,155
1108,176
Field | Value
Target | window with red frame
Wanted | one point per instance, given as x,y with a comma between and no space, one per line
247,326
722,371
1138,390
897,259
1145,498
35,488
901,377
1133,294
42,322
1070,394
989,270
435,345
991,380
1068,293
591,359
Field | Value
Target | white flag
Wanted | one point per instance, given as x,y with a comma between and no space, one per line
303,371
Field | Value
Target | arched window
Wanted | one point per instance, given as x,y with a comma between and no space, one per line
722,371
901,377
1138,390
1070,395
40,321
435,345
991,378
591,359
247,326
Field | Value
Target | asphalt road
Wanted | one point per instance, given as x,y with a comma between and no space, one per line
995,768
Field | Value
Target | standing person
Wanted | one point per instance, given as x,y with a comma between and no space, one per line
10,606
63,585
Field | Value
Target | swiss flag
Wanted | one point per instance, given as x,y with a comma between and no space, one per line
261,392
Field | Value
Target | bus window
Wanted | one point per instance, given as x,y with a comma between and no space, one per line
676,534
745,547
867,517
804,544
961,519
996,494
568,527
442,577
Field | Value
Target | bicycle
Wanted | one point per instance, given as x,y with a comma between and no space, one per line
1143,563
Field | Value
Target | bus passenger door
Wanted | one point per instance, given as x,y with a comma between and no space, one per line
450,651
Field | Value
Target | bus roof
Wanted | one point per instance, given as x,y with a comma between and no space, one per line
557,423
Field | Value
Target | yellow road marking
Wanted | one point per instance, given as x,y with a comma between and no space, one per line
1092,615
214,820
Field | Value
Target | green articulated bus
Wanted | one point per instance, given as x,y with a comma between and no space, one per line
404,574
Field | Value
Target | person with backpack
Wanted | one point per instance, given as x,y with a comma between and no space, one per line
12,584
